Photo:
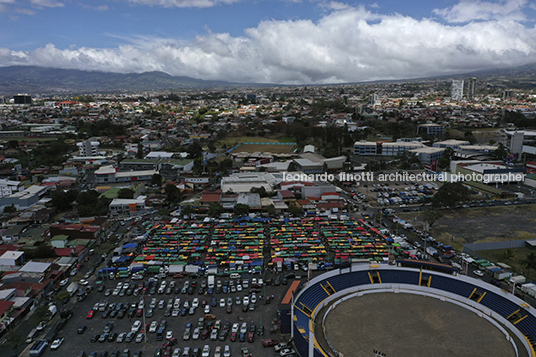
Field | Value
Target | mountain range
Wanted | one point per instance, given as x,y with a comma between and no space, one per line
39,80
32,79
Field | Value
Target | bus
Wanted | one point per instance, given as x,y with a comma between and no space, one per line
38,348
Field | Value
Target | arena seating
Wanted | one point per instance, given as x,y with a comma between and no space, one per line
314,294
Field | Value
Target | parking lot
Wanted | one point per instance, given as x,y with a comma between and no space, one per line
262,315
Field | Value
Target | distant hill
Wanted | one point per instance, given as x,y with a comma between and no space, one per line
31,79
39,80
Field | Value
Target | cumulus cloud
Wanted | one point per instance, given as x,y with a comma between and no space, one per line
470,10
347,45
182,3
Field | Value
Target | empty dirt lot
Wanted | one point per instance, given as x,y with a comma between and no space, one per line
405,325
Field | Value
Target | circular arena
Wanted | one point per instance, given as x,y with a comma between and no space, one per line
386,310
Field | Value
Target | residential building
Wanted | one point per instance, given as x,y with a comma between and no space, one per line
365,148
127,206
431,129
88,148
393,149
428,154
471,88
8,187
452,143
244,182
456,90
24,199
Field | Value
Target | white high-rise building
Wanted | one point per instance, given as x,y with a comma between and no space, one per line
456,90
88,148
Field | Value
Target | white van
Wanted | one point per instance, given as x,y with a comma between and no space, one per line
235,276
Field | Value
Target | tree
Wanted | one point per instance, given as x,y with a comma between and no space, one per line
62,200
508,254
61,295
13,144
10,209
13,340
449,194
529,262
295,210
187,210
270,209
139,153
407,159
215,209
125,193
156,179
241,209
431,216
92,203
41,313
260,190
501,152
173,193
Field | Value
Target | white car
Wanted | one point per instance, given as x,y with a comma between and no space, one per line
253,298
136,326
41,325
244,327
207,309
64,282
214,335
286,352
206,351
260,282
195,303
246,300
176,352
169,334
222,302
478,273
195,334
253,280
153,327
227,351
83,282
236,327
136,277
239,287
217,351
57,343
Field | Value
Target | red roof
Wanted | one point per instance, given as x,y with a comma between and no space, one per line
5,306
286,194
210,196
63,252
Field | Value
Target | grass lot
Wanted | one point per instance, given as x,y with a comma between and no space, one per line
478,225
514,259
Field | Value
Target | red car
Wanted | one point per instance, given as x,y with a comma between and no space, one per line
229,309
139,312
205,334
234,336
251,336
90,314
269,343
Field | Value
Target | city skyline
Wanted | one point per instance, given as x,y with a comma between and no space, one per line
283,42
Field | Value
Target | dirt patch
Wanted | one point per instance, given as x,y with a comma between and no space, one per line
479,225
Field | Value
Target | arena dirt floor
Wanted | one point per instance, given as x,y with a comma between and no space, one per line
407,325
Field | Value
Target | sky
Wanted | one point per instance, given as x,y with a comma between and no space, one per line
270,41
